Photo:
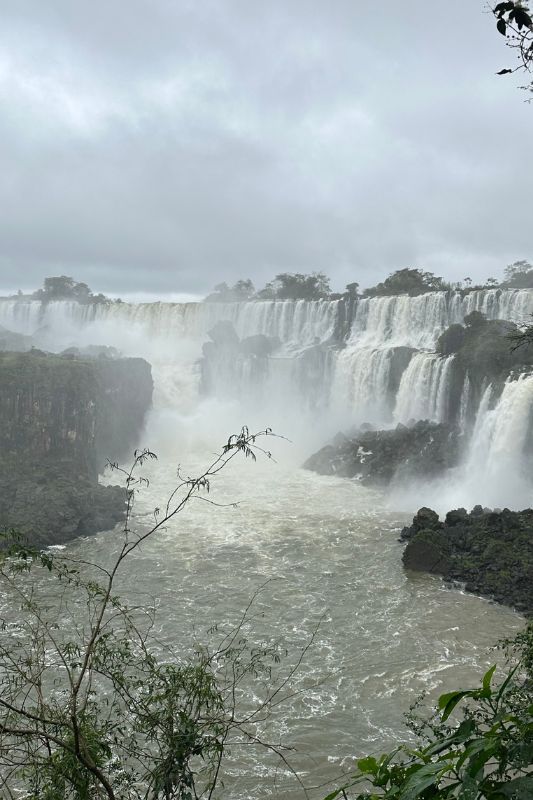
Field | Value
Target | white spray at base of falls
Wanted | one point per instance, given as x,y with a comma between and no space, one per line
496,472
327,373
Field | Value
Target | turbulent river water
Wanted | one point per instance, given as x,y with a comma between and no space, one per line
324,549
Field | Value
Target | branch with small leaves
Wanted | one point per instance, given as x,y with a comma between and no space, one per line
514,22
94,705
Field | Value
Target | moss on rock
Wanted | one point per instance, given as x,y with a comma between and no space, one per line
61,419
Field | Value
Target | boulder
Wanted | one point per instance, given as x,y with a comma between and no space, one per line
491,552
422,450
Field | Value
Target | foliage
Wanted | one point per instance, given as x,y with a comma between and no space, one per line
352,290
63,287
518,275
408,281
513,20
240,291
486,755
296,286
92,704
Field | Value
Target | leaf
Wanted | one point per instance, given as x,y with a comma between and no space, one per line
519,788
504,72
463,732
487,678
447,702
502,7
422,778
502,27
333,795
522,18
368,766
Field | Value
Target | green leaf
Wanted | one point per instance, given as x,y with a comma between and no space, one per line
426,776
519,788
502,27
487,677
333,795
462,734
368,766
447,702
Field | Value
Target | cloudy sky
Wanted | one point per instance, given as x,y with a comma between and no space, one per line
161,146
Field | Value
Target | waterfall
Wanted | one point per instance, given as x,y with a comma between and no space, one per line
495,470
384,370
424,387
464,404
361,383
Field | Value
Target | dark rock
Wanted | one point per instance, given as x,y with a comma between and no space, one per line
427,557
425,519
483,351
224,333
260,345
91,351
14,342
377,457
456,517
451,340
490,551
61,420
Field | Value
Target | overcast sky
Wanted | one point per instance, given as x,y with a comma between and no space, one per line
162,146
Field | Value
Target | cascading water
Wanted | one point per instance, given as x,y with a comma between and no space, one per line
424,387
376,367
330,546
496,467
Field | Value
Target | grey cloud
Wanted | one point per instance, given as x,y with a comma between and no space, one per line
163,146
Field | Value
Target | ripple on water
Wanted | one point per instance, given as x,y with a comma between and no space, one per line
331,552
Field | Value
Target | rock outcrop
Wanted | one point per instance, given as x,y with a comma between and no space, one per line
226,358
483,352
424,449
491,552
61,420
17,342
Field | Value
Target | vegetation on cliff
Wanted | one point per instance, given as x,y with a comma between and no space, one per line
490,552
61,420
410,281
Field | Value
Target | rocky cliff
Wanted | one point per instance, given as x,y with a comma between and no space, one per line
491,552
422,450
61,419
484,352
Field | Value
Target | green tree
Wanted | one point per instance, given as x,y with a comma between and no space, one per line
352,290
518,275
408,281
238,293
296,286
91,705
64,287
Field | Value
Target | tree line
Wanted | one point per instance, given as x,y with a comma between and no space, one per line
411,281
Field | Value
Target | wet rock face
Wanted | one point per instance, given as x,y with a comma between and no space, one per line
225,358
491,552
424,449
17,342
61,420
